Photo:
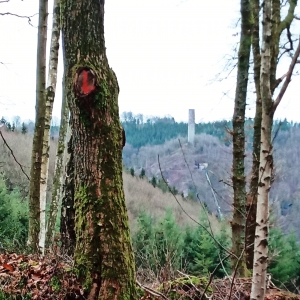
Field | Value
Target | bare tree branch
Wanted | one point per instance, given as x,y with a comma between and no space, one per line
185,212
235,272
12,153
15,15
212,275
287,79
151,291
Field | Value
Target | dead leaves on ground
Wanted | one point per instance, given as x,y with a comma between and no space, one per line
39,278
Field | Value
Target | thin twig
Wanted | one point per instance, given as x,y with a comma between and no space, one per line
151,291
235,271
15,15
188,167
287,79
12,153
184,211
212,275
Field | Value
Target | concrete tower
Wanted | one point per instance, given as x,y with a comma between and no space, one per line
191,127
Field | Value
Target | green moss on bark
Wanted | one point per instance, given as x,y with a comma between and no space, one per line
103,254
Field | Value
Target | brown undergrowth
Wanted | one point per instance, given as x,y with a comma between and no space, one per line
53,277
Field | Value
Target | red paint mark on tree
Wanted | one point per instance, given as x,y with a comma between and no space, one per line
85,81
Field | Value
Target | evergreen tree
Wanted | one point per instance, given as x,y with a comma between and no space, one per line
159,246
131,172
24,128
13,127
153,181
8,126
284,257
2,121
143,173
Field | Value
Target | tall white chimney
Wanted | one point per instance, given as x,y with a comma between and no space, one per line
191,127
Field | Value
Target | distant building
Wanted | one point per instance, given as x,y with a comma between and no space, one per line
191,127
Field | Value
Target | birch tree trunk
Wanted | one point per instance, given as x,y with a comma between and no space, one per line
50,94
278,25
37,145
267,87
103,254
58,176
238,121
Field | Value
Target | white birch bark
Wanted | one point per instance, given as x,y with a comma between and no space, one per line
59,171
266,164
50,94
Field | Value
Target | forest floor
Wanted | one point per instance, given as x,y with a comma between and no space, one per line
52,277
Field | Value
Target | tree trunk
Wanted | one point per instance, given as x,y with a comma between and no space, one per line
238,120
50,94
277,28
252,195
58,176
103,254
37,146
266,164
67,220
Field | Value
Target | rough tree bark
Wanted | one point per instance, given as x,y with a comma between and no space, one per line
278,26
252,194
67,220
50,95
37,146
266,163
58,176
103,255
267,87
238,121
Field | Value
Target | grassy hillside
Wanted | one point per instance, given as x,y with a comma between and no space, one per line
140,195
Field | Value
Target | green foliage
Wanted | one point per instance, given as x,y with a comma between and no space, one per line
163,244
24,128
2,121
143,173
158,245
153,181
4,296
13,219
162,185
169,241
201,252
285,256
131,171
156,131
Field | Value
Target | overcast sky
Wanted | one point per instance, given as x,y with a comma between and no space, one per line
166,54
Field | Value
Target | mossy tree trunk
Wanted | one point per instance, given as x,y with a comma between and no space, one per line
103,254
50,95
37,145
238,121
67,219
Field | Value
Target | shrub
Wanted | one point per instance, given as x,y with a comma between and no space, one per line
13,219
284,257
